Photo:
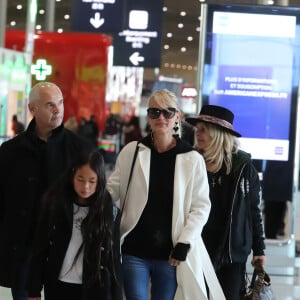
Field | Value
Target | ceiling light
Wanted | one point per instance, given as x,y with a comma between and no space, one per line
189,38
13,23
60,30
165,9
166,47
180,25
38,27
19,6
183,49
182,13
169,35
66,17
41,11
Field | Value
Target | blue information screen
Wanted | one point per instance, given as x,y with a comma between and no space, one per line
252,67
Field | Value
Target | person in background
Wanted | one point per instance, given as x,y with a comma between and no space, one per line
234,227
76,252
93,130
82,128
30,163
132,130
163,211
112,127
188,134
17,126
71,123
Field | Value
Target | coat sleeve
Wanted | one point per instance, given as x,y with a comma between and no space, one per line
38,258
258,244
197,203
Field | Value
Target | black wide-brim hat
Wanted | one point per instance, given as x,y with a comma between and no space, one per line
216,115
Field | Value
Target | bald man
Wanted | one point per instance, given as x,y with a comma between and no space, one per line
29,164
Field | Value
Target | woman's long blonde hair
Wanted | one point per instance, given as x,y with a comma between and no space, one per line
220,150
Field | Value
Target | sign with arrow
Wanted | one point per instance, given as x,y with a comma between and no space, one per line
97,16
139,44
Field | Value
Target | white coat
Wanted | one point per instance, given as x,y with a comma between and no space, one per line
191,207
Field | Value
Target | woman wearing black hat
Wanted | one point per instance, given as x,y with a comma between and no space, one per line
234,227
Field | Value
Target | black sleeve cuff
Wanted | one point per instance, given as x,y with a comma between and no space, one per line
180,251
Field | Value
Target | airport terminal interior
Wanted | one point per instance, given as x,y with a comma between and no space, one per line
242,54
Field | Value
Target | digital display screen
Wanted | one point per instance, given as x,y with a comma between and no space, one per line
251,66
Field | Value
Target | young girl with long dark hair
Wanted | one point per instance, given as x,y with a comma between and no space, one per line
76,248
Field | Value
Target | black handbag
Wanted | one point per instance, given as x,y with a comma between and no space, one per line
260,286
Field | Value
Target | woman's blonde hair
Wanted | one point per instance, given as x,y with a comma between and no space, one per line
220,150
165,98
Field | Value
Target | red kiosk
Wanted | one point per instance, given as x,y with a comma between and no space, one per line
78,65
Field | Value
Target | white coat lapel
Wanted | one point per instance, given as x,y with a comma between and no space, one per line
183,173
137,195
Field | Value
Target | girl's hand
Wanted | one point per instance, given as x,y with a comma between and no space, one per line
34,298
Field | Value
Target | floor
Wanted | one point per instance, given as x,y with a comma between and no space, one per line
283,260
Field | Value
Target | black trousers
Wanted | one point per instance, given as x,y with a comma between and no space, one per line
63,290
232,280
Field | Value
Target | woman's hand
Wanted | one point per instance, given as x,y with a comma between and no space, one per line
258,261
174,262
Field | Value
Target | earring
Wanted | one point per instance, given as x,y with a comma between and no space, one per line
175,128
151,134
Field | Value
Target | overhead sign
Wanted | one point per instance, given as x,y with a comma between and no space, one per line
104,16
139,44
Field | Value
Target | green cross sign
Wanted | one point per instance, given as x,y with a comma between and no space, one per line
41,69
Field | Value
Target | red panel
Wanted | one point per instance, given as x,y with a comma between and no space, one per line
79,68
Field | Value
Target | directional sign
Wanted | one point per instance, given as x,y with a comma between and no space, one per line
139,44
97,15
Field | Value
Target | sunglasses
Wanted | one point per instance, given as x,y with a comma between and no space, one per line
154,113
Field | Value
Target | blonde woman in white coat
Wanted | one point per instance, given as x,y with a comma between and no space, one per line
164,210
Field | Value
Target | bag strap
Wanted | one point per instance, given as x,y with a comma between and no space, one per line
130,174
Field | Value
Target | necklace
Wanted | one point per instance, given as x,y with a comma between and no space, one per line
215,179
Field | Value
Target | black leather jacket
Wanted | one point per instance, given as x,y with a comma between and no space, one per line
243,229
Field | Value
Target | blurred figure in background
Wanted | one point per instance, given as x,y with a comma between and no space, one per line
93,130
188,133
112,127
71,123
16,126
132,130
